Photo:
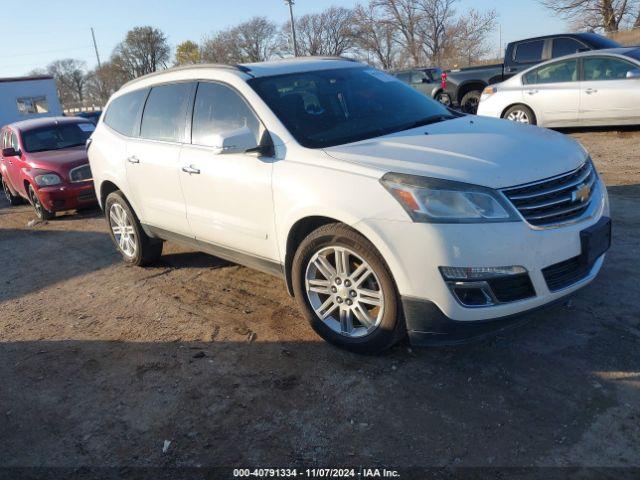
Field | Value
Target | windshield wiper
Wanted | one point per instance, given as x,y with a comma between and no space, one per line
428,121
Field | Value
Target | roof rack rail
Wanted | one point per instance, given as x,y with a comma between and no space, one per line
240,68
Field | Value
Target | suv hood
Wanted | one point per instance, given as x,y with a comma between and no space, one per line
483,151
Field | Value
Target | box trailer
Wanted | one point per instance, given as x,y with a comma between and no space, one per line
22,98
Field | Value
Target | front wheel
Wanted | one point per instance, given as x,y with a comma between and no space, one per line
470,102
41,211
11,198
135,246
346,291
520,114
444,99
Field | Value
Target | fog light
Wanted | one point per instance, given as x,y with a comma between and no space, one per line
462,274
473,296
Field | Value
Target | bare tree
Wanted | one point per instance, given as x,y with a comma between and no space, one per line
607,15
329,32
103,82
70,76
221,48
407,18
469,35
144,50
376,36
437,17
257,39
187,53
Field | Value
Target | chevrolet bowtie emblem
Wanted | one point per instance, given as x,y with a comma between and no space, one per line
581,194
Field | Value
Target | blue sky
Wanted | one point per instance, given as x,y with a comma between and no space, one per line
61,29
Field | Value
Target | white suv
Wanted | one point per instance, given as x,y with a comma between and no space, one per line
384,212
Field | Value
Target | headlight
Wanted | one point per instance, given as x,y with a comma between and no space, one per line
442,201
48,179
487,92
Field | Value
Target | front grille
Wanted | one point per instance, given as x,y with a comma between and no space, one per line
87,197
557,199
566,273
80,174
512,288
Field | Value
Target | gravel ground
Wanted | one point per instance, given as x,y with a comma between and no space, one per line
102,363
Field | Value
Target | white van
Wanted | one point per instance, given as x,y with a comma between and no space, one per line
384,212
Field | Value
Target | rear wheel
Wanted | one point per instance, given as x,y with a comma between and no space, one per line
470,102
41,211
345,290
11,198
520,114
135,246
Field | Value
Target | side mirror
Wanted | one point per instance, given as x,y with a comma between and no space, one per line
10,152
240,140
635,73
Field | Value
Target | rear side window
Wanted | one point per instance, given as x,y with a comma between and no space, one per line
219,109
565,46
606,68
558,72
123,112
529,52
165,112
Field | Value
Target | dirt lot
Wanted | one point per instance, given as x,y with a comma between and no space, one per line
101,363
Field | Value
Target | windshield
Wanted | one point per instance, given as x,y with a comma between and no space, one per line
57,137
333,107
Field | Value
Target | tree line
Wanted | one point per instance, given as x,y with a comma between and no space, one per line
389,34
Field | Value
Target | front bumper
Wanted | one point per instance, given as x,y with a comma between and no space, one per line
415,251
69,196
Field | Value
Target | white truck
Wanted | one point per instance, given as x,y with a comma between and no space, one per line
22,98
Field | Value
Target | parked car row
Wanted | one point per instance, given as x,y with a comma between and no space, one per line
585,89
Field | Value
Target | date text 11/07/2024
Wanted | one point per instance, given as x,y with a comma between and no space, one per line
315,473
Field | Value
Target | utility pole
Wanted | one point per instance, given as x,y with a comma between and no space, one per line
293,27
95,46
500,45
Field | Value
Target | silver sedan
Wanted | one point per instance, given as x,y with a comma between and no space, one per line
599,87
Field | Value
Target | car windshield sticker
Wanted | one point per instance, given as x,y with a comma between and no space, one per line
87,127
384,77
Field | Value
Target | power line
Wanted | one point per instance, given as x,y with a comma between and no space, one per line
44,52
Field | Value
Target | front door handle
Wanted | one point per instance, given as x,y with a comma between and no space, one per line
589,91
133,159
191,170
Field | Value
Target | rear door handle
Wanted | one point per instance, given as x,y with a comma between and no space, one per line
532,92
191,170
133,159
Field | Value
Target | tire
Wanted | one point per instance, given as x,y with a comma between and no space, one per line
520,114
135,246
347,298
11,198
444,99
41,211
470,102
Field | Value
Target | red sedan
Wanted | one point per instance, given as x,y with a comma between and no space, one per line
45,162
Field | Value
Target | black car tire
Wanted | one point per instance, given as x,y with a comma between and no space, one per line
147,250
41,211
444,99
391,328
11,198
525,111
470,102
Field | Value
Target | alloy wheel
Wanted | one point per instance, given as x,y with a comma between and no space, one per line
5,189
123,230
519,116
344,291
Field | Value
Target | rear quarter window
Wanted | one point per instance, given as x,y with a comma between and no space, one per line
123,111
